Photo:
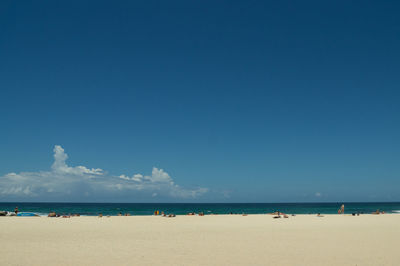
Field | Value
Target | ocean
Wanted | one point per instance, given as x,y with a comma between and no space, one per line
91,209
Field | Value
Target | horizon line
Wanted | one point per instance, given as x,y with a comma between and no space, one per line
305,202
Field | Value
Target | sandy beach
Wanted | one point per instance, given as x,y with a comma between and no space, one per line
208,240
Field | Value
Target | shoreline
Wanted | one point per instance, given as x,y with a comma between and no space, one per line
210,214
184,208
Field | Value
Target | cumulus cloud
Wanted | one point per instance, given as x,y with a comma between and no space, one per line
157,176
60,166
64,181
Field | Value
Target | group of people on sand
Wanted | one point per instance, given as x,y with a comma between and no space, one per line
7,213
163,214
119,214
278,214
193,213
126,214
341,211
54,214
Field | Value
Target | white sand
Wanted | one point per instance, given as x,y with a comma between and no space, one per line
209,240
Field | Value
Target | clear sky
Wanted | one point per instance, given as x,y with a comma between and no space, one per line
200,101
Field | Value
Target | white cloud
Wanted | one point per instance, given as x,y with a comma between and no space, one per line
157,176
64,182
59,165
137,177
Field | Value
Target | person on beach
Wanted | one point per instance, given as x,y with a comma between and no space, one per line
16,210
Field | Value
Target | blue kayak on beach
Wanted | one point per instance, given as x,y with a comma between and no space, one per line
27,214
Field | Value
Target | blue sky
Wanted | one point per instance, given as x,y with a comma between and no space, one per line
231,101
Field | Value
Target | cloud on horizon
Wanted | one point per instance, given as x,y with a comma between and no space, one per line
66,183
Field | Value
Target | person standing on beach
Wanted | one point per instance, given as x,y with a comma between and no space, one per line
16,210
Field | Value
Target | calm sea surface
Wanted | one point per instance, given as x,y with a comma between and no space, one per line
207,208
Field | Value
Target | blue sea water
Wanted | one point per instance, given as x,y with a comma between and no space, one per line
207,208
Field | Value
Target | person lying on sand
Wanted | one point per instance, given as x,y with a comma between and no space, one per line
285,216
319,215
277,216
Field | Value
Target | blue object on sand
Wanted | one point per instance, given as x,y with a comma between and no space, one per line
26,214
